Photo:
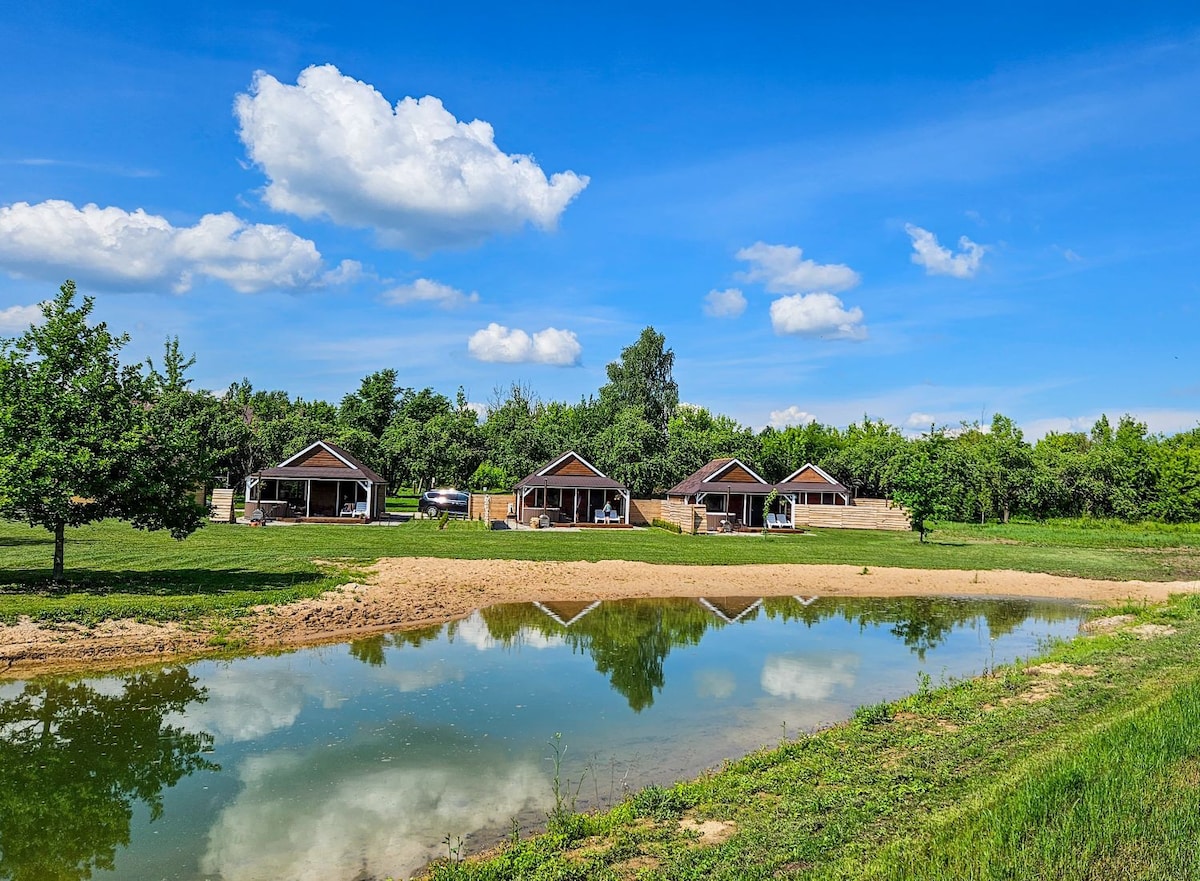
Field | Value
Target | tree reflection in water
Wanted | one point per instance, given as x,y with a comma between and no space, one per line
629,640
75,760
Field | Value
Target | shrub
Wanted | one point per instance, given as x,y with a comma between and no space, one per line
668,526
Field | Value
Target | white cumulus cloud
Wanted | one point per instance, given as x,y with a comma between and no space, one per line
782,270
17,319
820,314
729,303
335,146
497,343
920,420
122,250
942,261
425,290
793,415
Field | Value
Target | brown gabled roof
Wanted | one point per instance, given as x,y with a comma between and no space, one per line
597,480
699,481
355,469
825,484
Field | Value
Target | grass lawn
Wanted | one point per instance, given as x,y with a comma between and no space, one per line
116,571
1084,769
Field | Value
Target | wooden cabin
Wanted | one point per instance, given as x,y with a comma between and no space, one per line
321,482
731,491
572,491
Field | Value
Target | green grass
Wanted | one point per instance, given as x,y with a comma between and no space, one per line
116,571
1093,773
405,504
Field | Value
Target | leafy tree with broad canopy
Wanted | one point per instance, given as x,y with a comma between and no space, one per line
83,438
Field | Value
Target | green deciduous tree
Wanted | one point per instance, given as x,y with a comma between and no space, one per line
79,438
914,480
642,379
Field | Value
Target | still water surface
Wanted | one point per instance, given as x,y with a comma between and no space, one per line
355,761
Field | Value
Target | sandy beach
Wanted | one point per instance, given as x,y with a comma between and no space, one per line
412,592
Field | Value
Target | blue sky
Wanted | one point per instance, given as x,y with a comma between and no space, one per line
923,215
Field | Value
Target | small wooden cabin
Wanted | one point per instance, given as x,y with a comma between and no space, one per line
730,490
570,490
321,482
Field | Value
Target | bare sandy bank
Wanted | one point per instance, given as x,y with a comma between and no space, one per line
411,592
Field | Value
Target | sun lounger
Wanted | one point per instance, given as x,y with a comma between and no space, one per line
600,517
783,522
772,523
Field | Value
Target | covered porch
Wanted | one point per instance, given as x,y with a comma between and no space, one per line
313,498
574,505
740,506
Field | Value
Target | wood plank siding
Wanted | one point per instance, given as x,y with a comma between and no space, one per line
319,457
571,467
735,474
808,475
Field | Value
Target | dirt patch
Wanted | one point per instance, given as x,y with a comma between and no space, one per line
1107,625
1058,669
634,866
708,832
415,592
1152,631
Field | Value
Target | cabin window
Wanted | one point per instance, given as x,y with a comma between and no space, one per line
554,498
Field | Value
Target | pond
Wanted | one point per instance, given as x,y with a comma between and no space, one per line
367,759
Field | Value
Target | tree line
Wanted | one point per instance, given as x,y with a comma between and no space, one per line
635,430
84,437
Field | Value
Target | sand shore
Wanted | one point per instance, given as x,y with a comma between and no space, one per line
412,592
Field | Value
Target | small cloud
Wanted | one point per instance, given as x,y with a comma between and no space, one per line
347,272
729,303
793,415
481,410
715,684
919,420
974,215
820,315
782,270
808,677
18,319
425,290
942,261
1071,256
499,344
